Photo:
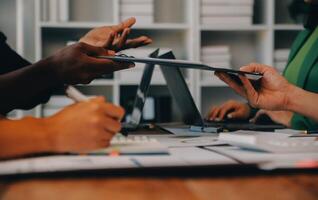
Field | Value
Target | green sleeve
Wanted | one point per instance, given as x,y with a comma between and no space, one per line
300,122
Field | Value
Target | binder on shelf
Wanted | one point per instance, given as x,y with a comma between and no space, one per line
212,10
226,20
53,10
64,10
227,2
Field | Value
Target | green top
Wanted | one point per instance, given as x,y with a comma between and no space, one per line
293,70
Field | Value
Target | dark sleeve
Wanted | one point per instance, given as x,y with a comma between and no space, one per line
10,60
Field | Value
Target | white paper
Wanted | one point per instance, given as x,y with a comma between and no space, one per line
63,163
198,156
251,157
180,141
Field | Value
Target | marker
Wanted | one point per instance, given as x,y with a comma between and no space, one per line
74,94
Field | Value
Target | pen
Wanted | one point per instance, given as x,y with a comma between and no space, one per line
74,94
311,132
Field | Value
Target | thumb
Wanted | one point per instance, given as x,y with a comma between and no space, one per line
235,114
257,115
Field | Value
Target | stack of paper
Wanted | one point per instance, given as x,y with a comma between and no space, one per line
134,75
215,56
227,12
142,10
280,59
55,10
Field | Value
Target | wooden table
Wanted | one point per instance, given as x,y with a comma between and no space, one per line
294,186
268,187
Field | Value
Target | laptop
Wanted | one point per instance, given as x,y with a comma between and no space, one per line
190,114
141,96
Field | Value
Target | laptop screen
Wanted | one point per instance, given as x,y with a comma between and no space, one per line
180,92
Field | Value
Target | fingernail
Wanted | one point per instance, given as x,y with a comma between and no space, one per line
229,116
217,119
131,65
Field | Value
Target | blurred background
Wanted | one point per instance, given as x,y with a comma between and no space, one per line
221,33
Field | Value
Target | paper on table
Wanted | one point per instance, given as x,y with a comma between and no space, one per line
186,132
198,156
158,161
251,157
63,163
179,141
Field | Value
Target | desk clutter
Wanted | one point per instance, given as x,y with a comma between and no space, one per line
168,151
227,12
142,10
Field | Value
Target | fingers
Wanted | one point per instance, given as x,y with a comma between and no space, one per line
250,92
225,109
110,125
236,114
214,113
235,86
137,42
113,111
119,44
218,113
257,115
109,41
125,24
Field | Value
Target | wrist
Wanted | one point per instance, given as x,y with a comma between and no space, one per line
50,70
53,134
293,96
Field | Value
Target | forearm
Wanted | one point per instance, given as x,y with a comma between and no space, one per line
24,137
303,102
24,85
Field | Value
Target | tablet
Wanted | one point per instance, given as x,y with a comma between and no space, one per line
181,64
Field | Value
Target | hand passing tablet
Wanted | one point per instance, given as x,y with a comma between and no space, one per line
272,94
76,64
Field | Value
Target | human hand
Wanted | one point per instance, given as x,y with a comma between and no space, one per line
280,117
230,109
115,37
84,126
76,64
273,93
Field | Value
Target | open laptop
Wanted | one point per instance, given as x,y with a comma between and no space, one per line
189,111
141,96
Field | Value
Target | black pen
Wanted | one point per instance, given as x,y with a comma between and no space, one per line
307,133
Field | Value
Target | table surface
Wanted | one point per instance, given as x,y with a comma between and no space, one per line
289,186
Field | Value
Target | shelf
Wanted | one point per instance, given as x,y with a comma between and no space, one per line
213,83
85,25
89,25
287,27
100,82
234,28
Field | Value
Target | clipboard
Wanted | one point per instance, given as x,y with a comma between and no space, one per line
181,64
